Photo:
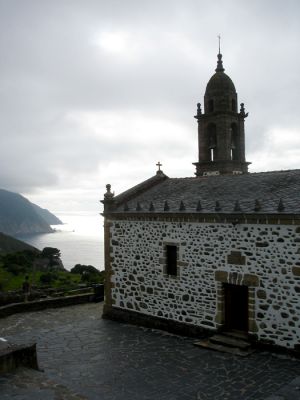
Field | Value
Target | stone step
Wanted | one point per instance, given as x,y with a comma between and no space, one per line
236,334
207,344
230,341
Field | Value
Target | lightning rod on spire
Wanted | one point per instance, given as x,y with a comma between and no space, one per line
219,37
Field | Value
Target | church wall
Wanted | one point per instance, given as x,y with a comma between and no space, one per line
263,257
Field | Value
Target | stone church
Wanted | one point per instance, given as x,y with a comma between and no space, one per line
216,252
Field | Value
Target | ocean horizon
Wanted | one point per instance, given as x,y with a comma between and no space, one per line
79,239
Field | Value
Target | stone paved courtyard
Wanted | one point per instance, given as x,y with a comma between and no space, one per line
85,357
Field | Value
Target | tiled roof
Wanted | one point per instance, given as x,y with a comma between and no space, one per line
264,192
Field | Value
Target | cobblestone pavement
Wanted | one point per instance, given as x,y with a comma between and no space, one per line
87,358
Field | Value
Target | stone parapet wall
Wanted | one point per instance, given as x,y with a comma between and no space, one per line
266,258
29,306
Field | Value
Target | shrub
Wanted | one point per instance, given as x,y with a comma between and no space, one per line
83,269
89,278
48,278
15,269
19,262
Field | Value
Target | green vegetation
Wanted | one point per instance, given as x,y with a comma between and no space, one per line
53,254
12,278
22,264
44,271
88,273
19,262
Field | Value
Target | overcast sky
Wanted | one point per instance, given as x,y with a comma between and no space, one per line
96,92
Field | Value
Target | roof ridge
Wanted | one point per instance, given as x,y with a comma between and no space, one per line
140,188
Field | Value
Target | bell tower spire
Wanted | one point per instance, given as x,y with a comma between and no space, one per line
221,134
220,62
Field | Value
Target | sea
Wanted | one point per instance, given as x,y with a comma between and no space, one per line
80,239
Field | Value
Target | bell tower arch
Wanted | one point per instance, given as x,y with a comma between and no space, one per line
221,133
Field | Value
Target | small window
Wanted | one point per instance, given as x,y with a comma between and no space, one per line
211,106
171,264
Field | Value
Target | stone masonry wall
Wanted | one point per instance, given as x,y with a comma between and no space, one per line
269,253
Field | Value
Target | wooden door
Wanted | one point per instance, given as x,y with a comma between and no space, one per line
236,307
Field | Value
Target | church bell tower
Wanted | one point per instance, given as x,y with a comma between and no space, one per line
221,134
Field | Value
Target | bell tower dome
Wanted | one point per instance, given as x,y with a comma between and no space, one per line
221,134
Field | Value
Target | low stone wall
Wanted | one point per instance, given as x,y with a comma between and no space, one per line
10,309
14,356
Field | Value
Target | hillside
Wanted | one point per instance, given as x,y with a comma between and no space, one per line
50,218
9,244
18,215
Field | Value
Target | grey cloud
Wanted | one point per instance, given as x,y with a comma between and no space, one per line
51,67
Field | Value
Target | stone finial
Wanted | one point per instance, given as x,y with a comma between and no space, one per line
218,206
126,208
220,67
108,200
242,111
181,206
108,195
138,207
237,206
151,207
199,206
280,207
257,206
199,111
166,206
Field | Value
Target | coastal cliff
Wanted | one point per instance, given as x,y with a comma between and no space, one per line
19,216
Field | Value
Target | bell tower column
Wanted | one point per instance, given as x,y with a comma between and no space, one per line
221,136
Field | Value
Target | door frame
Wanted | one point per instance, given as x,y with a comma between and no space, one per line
252,281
